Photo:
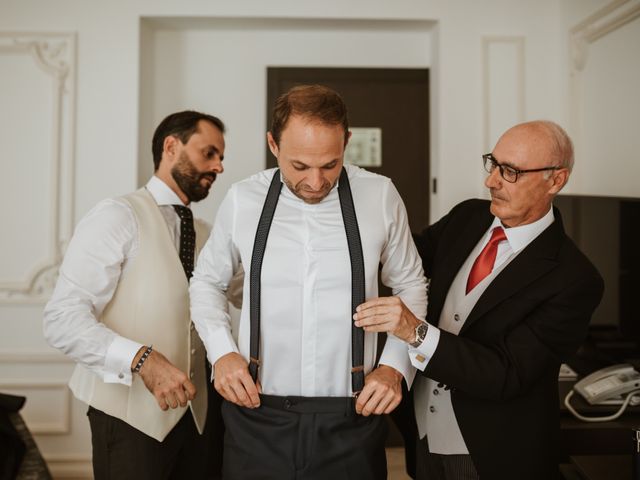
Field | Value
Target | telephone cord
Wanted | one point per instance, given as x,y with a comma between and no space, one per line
608,418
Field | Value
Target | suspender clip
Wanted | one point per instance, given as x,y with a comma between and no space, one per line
254,360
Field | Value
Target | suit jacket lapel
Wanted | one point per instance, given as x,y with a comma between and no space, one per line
538,258
448,267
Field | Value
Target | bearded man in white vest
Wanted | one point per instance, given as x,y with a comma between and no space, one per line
120,309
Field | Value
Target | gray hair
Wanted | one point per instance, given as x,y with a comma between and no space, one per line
561,144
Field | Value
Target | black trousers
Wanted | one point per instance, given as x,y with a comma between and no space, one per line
123,452
291,438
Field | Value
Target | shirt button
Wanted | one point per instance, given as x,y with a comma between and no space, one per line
440,385
121,375
436,391
193,351
456,317
191,374
432,409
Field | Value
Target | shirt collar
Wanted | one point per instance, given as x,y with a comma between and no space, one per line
162,193
521,236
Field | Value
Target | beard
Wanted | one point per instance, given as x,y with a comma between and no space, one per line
307,196
189,179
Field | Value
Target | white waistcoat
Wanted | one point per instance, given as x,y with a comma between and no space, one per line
151,306
434,412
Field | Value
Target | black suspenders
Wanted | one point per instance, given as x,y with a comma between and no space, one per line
259,245
357,280
357,276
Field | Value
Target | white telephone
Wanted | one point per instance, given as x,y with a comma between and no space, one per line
615,385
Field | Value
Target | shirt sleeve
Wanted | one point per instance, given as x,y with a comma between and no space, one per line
235,290
88,278
402,272
421,355
218,262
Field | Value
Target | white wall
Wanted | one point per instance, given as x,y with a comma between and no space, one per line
493,63
199,64
604,102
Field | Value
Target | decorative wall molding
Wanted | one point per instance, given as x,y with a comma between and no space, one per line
608,19
55,56
517,76
582,37
74,467
62,423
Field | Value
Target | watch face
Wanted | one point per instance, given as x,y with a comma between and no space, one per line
421,332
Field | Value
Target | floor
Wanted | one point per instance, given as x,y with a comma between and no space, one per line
395,464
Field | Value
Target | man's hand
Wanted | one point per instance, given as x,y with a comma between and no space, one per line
233,381
387,314
170,385
382,392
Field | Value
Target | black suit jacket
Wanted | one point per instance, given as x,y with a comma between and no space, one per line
503,366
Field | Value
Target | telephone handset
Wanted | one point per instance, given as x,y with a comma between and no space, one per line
615,385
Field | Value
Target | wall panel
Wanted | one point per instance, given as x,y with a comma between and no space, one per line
36,131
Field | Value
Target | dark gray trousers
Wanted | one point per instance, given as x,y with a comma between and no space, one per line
271,443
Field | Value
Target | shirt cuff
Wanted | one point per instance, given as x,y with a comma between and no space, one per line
395,355
219,343
421,355
117,363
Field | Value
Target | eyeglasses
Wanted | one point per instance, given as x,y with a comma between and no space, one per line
507,172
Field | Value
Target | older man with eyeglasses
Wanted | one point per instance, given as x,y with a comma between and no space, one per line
510,299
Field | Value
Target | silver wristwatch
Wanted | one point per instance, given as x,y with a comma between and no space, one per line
421,333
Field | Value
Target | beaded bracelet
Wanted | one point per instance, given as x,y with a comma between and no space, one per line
144,356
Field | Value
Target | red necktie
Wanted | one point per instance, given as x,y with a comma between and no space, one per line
484,263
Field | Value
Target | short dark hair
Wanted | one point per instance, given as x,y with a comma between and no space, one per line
315,102
181,125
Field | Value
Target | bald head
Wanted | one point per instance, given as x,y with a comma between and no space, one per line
547,139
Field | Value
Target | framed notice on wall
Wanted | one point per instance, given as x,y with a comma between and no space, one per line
364,148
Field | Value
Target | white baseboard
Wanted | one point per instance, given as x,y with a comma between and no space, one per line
65,467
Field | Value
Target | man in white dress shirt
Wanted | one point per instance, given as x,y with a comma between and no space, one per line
120,309
510,298
291,381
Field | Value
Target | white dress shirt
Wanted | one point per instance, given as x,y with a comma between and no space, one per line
306,282
433,408
104,244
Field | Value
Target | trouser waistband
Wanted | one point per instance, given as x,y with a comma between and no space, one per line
346,405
